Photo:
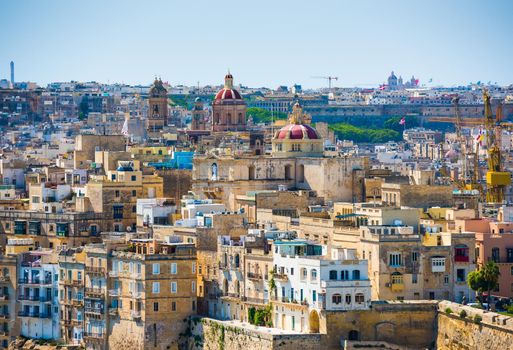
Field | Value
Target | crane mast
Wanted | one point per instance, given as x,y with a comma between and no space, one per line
496,178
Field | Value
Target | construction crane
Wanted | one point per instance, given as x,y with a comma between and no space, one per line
328,78
496,178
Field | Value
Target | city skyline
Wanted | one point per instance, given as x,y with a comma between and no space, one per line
270,45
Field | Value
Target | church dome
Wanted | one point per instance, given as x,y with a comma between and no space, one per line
228,92
297,132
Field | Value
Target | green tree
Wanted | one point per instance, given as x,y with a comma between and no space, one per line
83,108
483,280
393,123
261,115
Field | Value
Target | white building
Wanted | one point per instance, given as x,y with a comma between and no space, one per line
306,274
38,296
154,211
191,207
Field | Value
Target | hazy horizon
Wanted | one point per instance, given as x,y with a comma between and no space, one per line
264,44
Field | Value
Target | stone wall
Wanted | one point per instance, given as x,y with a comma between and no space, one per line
494,331
209,334
412,324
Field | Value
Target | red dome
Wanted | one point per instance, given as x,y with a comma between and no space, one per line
297,132
228,94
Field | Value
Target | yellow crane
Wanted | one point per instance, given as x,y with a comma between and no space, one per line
496,178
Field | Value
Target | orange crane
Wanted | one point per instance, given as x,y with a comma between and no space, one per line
496,178
328,78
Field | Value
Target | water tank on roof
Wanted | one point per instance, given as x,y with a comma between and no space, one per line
398,222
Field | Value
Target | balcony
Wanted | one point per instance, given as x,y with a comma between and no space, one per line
113,273
280,276
93,336
114,292
231,295
5,279
397,287
77,302
136,295
38,298
4,297
39,281
4,316
135,315
461,258
95,270
94,310
34,314
95,292
254,276
72,283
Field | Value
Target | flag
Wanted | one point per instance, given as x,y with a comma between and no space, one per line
402,121
479,137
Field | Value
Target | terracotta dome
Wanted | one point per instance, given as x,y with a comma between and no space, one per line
297,132
228,94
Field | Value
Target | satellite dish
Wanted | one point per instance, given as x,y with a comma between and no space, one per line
128,228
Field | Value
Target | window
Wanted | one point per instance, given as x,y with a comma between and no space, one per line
194,267
193,287
314,296
395,259
117,211
313,274
291,271
348,298
414,256
156,287
134,178
414,278
173,306
446,279
333,275
134,209
496,255
173,287
397,278
134,193
336,298
359,298
344,275
173,268
155,307
194,305
156,268
117,193
356,274
460,275
511,270
461,253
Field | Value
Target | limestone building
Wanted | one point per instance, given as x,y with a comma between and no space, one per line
228,108
158,108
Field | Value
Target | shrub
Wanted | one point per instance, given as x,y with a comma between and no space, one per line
463,314
477,319
448,310
510,309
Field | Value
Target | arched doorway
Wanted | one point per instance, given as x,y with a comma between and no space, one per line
313,320
353,335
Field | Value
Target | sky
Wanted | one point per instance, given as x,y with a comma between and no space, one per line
262,43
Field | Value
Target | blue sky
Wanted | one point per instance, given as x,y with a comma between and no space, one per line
263,43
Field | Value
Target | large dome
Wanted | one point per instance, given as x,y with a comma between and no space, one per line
228,94
297,132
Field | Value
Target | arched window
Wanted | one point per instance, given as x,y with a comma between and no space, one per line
336,299
313,275
356,274
344,275
213,172
348,298
359,298
353,335
333,275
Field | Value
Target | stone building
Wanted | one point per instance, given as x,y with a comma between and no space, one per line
199,116
9,324
71,294
228,108
153,291
87,145
158,108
